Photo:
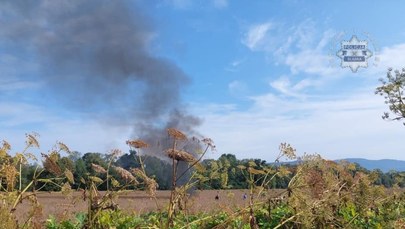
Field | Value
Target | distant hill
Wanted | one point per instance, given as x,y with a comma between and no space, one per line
384,165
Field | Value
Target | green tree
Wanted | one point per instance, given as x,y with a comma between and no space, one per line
393,91
98,159
80,171
159,169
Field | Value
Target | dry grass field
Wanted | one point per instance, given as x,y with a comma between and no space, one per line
139,202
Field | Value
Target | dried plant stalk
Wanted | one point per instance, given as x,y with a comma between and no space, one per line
137,144
149,182
69,176
11,174
176,134
127,176
98,168
180,155
32,140
51,166
63,147
6,146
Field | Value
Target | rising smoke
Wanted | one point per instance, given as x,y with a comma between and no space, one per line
94,55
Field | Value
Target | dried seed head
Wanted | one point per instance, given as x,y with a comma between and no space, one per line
98,168
150,183
66,189
137,144
255,171
209,142
6,146
115,183
31,156
176,134
10,173
96,179
51,165
32,140
4,150
20,158
124,174
69,176
63,147
287,150
139,173
180,155
115,153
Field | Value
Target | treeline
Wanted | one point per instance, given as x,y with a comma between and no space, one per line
227,172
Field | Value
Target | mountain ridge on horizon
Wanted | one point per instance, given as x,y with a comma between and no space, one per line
384,165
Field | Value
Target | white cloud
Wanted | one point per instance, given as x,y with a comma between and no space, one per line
301,48
284,86
349,126
311,62
392,56
256,35
79,134
389,57
305,83
234,65
312,55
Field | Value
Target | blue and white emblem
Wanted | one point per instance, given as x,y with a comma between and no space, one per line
354,54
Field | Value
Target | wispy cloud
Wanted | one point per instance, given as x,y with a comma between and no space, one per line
234,65
300,47
255,38
84,135
392,56
284,86
336,127
339,125
311,61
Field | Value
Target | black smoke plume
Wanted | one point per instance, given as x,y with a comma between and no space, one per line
94,55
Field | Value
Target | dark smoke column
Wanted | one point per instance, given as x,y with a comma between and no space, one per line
94,55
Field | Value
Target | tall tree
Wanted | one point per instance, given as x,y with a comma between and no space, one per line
393,91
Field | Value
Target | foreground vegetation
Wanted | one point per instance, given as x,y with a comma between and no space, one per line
318,193
221,173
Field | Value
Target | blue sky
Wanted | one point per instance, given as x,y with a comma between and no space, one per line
261,73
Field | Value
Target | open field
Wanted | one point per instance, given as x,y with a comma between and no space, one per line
61,207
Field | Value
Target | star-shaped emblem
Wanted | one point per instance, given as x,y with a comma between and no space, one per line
354,54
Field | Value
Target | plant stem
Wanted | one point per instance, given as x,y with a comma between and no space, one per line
171,203
287,220
194,163
19,188
20,195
